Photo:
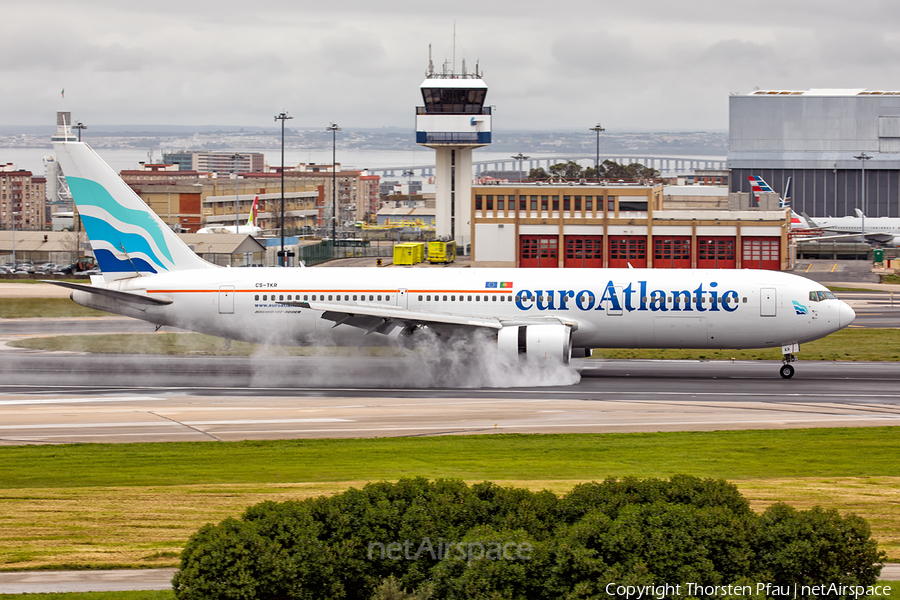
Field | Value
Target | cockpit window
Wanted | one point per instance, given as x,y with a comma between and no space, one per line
821,296
813,297
829,295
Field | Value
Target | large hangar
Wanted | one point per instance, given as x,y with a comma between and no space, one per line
816,137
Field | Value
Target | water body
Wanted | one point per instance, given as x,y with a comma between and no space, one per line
32,159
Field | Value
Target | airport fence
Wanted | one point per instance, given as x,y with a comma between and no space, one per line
318,253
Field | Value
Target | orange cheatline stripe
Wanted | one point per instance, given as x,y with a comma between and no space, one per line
318,291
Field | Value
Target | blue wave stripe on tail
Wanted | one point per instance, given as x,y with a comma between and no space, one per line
110,264
130,243
89,192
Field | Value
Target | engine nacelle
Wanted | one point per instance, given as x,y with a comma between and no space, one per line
536,342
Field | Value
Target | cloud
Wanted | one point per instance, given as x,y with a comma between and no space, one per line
653,64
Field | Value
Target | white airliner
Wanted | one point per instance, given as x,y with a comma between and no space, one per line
249,229
535,314
883,230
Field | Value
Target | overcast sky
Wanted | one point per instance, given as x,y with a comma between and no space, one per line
631,65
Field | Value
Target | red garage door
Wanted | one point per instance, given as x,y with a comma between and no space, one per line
761,253
627,249
672,252
539,251
715,253
584,251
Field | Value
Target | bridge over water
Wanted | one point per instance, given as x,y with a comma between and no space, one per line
666,165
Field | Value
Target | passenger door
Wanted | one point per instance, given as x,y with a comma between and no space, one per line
226,300
767,302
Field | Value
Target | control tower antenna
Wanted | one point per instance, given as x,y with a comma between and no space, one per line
430,63
454,46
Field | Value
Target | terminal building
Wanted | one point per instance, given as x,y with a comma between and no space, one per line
617,226
826,140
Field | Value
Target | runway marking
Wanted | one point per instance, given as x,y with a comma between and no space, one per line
492,426
27,401
190,424
271,421
171,420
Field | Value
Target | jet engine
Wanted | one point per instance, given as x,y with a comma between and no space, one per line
536,342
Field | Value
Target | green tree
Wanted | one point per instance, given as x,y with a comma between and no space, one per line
816,546
610,169
538,173
386,538
567,170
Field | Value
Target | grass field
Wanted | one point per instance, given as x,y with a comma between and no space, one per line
30,308
156,595
847,344
136,504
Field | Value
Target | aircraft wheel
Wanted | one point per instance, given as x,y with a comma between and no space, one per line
787,371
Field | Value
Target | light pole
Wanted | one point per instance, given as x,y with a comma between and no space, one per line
14,213
862,158
598,128
237,192
409,175
79,126
282,117
333,128
520,157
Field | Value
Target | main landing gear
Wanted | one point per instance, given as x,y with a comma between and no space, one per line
787,371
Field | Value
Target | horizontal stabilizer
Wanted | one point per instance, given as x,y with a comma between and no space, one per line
115,294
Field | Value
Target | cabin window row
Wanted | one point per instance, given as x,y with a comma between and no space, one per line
462,298
322,298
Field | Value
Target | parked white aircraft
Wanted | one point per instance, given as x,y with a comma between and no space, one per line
250,228
541,314
883,230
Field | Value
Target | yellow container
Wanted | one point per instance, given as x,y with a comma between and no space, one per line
418,251
405,254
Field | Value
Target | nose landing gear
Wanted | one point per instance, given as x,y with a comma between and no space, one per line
787,353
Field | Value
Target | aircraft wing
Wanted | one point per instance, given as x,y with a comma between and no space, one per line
383,319
870,237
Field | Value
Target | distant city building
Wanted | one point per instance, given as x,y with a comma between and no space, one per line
64,131
216,162
357,191
23,197
815,137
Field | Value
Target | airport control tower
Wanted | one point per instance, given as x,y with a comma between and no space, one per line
454,121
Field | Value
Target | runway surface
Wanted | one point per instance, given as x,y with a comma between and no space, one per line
59,398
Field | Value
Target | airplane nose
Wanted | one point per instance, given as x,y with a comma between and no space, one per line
846,315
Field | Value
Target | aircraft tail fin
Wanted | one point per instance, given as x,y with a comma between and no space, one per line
859,213
252,220
786,197
812,224
759,186
128,238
